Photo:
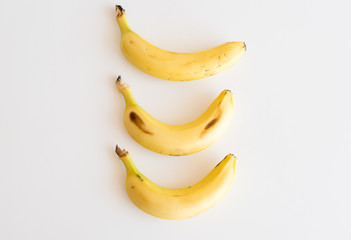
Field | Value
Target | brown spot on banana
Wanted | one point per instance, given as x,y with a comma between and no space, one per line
141,179
211,123
131,41
134,118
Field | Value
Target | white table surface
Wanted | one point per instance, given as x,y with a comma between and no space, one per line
61,116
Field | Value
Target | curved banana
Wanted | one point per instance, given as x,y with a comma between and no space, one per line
175,66
177,140
177,203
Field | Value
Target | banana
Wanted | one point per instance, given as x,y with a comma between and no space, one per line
180,203
176,140
175,66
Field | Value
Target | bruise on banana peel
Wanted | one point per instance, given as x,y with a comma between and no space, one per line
216,119
212,123
209,125
134,118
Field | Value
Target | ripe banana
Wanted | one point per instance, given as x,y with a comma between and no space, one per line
177,203
176,140
175,66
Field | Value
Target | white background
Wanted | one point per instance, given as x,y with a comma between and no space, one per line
61,116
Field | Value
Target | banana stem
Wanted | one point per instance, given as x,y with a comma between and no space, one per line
125,90
119,10
121,19
121,152
127,160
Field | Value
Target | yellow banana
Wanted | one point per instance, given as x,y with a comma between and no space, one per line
175,66
177,203
177,140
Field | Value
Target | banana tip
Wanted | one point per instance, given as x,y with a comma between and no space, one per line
119,10
120,84
121,152
119,79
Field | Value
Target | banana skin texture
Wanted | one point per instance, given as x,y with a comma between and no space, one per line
175,66
180,203
177,140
